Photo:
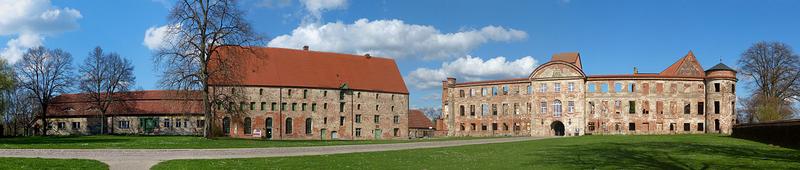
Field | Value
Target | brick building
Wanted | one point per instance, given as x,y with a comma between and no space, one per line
559,99
281,94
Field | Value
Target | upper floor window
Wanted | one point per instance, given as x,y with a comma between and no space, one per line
570,106
484,92
543,107
557,87
631,87
494,91
604,87
590,88
543,87
505,90
570,86
530,89
617,87
716,87
557,108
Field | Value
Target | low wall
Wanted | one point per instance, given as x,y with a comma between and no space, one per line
784,133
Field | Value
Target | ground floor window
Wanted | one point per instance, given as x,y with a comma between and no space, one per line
632,126
76,125
226,125
397,130
358,132
591,126
308,125
483,127
61,125
124,124
201,123
700,127
494,126
248,126
167,123
686,127
288,126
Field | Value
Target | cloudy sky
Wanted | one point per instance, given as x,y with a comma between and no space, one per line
430,40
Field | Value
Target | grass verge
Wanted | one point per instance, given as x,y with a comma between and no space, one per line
42,163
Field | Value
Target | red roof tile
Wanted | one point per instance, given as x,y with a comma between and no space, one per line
154,102
266,66
418,120
687,62
569,57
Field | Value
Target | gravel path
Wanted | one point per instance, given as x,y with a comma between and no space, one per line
129,159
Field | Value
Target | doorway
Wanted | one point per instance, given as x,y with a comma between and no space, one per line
322,133
558,128
377,133
268,128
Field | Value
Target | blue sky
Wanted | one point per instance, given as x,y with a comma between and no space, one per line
612,36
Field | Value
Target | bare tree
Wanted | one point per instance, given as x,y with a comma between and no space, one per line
774,70
45,73
21,111
199,29
104,79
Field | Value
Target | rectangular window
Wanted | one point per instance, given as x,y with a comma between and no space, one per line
460,93
617,87
660,107
570,106
377,119
494,109
274,106
543,106
313,107
341,120
263,105
303,107
632,126
474,127
700,127
543,87
631,107
358,118
294,106
687,109
494,126
241,106
305,94
494,91
252,105
570,86
61,125
341,106
76,125
484,109
167,123
484,92
396,119
283,106
604,87
631,87
483,127
590,88
472,110
617,106
716,87
716,107
201,123
686,127
124,124
530,89
557,87
505,90
178,123
397,131
700,106
358,132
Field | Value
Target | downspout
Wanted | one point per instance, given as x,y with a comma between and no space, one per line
280,113
352,116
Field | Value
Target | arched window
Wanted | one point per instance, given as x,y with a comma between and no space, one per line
268,122
288,126
308,125
226,125
557,108
461,110
248,128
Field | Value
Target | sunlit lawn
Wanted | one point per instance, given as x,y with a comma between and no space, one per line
586,152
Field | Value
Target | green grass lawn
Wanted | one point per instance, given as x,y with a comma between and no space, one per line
586,152
41,163
170,142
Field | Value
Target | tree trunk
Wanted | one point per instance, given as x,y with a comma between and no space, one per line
44,120
207,111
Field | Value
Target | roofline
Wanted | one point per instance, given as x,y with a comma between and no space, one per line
557,62
326,52
491,82
269,86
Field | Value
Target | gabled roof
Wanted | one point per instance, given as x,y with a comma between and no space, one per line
721,66
153,102
281,67
685,67
418,120
569,57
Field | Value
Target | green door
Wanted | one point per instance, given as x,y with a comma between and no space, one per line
322,134
377,133
148,124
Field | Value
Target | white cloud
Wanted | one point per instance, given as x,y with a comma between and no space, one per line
154,37
31,21
274,3
393,38
471,68
315,8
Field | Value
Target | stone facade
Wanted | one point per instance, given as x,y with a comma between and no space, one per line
129,125
559,99
330,114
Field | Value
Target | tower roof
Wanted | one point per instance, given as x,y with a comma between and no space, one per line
721,66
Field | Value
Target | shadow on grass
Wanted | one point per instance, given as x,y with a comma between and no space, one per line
667,155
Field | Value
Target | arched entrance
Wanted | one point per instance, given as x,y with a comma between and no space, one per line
558,128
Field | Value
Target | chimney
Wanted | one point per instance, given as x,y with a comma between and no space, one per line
451,82
635,70
305,48
368,56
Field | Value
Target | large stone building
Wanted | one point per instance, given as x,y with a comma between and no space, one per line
559,99
275,93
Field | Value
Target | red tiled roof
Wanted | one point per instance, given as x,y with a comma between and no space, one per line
687,61
266,66
418,120
154,102
569,57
